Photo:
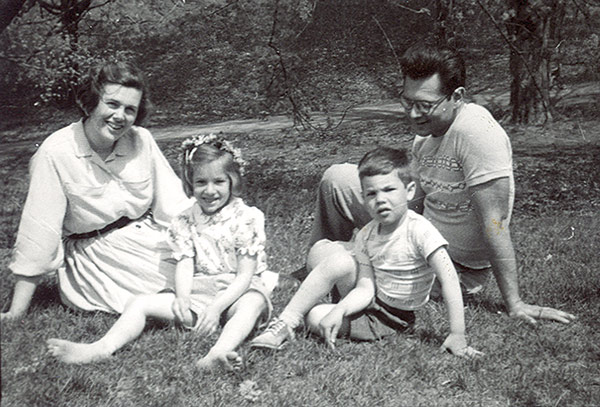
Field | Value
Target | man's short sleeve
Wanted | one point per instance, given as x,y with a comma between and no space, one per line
483,146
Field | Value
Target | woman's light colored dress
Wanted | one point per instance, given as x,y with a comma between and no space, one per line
72,191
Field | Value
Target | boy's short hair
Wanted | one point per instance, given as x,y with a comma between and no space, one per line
383,160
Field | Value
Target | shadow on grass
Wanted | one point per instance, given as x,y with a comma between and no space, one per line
46,295
488,304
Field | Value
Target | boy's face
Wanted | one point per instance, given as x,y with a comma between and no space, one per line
385,199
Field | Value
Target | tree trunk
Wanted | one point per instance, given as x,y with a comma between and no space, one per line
532,30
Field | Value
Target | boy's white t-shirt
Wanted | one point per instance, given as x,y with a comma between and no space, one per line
474,150
399,260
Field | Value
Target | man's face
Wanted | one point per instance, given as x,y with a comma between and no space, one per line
429,110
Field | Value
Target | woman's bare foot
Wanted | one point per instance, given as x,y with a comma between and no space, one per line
215,359
72,352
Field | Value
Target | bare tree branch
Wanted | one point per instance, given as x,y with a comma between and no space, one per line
387,39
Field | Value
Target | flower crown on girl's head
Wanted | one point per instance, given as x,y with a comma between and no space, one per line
190,145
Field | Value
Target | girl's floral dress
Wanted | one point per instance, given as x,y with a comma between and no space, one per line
214,242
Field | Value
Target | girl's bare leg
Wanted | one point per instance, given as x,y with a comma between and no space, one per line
128,327
242,317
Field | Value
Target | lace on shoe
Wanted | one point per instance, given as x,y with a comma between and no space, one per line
275,336
276,326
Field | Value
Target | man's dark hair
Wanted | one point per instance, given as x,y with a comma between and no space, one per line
422,60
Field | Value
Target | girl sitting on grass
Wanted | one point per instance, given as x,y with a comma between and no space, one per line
221,270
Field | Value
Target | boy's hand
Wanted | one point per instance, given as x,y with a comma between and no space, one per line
209,321
330,326
180,307
457,345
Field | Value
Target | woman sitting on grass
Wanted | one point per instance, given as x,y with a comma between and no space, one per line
100,196
221,265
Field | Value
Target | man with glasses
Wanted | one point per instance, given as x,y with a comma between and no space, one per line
464,177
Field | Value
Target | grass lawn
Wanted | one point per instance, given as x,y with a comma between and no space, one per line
555,231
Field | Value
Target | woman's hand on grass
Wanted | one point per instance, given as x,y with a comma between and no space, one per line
457,345
330,326
530,313
8,316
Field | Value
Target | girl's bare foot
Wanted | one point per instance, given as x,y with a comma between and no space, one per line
72,352
226,360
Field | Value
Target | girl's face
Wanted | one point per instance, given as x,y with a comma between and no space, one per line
212,186
113,117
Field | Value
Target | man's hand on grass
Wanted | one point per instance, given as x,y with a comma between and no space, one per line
530,313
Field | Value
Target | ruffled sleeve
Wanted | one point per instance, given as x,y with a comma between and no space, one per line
180,236
249,238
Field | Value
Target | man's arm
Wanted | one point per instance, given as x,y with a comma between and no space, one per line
417,203
490,201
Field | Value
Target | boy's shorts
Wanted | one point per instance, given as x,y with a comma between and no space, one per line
378,321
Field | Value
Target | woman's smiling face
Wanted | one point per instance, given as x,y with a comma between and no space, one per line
113,117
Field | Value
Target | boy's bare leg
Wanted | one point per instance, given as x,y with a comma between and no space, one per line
242,315
127,328
333,265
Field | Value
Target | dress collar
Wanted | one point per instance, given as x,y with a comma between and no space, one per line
123,147
82,146
224,214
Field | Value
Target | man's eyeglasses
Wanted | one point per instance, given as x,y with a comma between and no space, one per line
422,107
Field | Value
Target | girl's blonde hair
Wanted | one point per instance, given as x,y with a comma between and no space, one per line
203,149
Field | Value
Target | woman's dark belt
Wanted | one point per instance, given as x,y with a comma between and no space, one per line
118,224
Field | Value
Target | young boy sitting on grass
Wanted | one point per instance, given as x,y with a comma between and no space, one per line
384,277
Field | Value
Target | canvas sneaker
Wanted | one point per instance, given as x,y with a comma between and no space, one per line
274,337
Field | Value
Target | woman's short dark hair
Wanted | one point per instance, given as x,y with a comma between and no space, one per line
422,60
119,73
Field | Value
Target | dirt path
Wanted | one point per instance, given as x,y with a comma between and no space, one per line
585,93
